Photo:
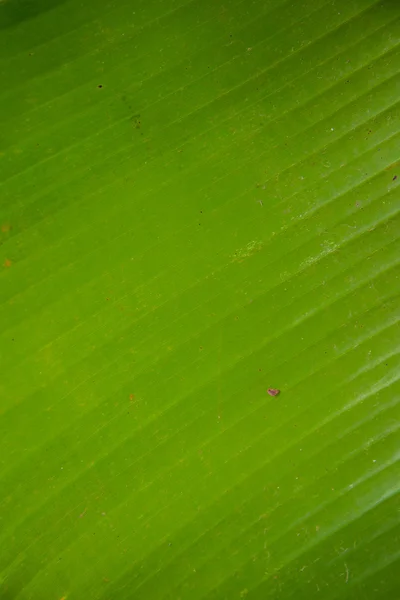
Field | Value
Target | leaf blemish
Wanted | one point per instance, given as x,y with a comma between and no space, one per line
273,392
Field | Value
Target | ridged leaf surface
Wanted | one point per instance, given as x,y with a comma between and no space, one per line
199,201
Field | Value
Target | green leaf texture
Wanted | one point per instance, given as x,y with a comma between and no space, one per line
199,201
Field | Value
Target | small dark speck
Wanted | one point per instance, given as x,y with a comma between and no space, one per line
273,392
12,340
100,86
394,178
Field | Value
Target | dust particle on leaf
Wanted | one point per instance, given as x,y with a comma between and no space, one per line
273,392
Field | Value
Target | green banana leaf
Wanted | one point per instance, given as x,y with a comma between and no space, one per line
199,299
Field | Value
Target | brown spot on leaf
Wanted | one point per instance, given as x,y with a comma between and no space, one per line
393,165
6,227
7,263
273,392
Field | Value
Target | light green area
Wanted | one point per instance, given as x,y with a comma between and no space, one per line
198,201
